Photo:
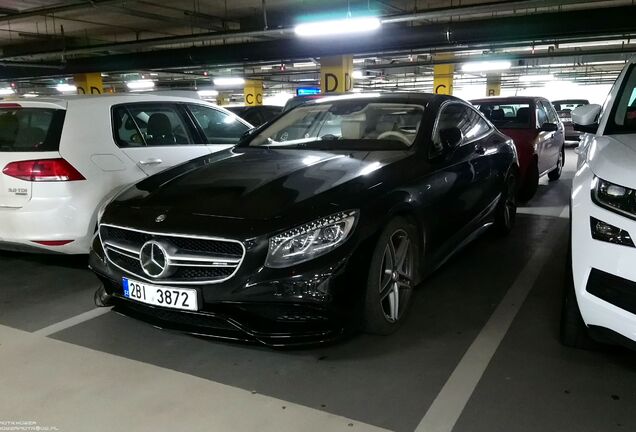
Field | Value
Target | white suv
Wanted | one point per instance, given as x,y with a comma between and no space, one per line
600,301
61,159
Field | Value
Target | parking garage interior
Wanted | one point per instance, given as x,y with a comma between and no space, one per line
479,349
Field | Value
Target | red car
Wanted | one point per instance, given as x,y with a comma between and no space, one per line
538,133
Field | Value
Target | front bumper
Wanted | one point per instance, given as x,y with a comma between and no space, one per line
603,272
305,305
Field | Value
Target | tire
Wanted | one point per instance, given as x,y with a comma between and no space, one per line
555,174
530,184
506,211
388,296
574,332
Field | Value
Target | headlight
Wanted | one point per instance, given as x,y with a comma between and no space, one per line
614,197
310,240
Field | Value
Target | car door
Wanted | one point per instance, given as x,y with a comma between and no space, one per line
220,129
465,169
559,136
156,135
545,139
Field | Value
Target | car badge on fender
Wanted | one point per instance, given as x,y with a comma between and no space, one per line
161,218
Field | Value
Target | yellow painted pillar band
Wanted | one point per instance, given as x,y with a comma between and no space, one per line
89,83
443,79
253,93
493,84
336,74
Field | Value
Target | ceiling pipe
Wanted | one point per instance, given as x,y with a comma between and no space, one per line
545,27
464,11
510,6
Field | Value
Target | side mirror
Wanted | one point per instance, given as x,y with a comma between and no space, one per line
585,118
451,137
549,127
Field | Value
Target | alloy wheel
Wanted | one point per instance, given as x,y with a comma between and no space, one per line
396,278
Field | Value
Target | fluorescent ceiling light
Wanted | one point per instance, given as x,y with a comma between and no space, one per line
6,91
143,84
593,43
229,81
535,78
358,74
208,93
304,64
265,68
486,66
65,88
336,27
30,95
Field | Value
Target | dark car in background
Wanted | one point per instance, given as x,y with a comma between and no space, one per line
564,109
299,100
323,221
538,134
256,115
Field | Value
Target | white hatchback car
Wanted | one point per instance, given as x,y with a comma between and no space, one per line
600,301
63,158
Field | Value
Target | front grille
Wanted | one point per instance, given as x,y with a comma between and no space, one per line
191,260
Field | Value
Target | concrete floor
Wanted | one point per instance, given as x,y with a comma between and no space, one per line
478,352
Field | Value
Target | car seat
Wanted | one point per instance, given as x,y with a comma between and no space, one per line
160,130
523,115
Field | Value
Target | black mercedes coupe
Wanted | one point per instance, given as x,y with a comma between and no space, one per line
317,224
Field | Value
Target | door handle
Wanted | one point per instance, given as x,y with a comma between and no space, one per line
479,149
150,162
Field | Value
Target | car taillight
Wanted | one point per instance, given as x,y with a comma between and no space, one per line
44,170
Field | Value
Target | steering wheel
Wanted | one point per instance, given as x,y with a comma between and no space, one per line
395,136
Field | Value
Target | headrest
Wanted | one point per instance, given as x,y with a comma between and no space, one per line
523,115
352,128
8,126
497,114
159,125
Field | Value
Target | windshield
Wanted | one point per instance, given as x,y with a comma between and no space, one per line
345,124
622,120
507,115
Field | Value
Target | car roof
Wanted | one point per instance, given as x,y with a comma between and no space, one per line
108,99
562,101
404,97
508,99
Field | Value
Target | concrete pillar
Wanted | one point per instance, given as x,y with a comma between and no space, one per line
443,75
493,84
336,74
253,93
89,83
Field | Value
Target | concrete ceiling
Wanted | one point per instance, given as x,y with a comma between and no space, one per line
55,33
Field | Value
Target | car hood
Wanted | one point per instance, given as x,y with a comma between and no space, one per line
262,183
613,158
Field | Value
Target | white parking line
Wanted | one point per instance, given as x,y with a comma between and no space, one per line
452,399
73,321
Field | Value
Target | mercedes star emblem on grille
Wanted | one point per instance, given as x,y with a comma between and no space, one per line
154,259
161,218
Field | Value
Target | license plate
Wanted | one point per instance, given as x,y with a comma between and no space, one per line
175,298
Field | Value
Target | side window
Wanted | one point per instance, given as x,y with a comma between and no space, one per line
218,127
542,117
150,125
553,117
463,117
